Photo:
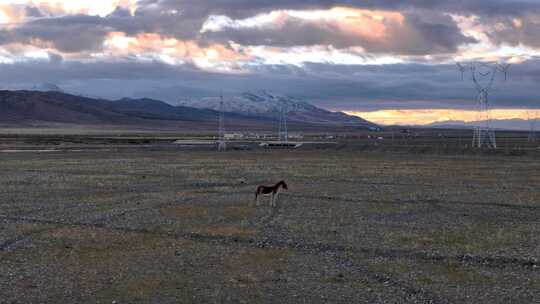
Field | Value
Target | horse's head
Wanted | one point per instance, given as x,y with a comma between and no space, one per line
284,185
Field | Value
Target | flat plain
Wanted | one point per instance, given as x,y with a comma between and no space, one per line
180,226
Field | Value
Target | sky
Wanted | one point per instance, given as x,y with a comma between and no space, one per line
387,61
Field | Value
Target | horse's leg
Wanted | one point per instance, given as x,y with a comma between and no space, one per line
272,200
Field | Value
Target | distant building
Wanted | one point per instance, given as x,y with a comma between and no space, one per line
255,135
233,136
297,136
329,136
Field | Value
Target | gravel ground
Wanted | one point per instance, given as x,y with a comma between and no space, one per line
181,227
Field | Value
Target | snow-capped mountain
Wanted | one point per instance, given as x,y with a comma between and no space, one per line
262,103
267,104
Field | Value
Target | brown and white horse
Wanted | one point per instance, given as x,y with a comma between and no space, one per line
270,190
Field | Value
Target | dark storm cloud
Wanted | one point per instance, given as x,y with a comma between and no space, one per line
58,70
347,87
354,87
68,34
515,31
75,33
81,32
33,12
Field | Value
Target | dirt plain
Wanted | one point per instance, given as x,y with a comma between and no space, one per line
162,226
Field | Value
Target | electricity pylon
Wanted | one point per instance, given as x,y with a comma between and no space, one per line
532,117
222,145
483,75
283,128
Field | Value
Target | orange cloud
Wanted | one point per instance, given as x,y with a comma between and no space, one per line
371,31
170,49
372,25
10,14
368,24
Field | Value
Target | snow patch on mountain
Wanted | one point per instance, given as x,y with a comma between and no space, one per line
263,103
268,104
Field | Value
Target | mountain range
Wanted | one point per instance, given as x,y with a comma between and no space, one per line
270,105
502,124
259,111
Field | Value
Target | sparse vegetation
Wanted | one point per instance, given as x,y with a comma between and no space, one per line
139,226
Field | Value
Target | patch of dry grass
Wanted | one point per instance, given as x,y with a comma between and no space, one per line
469,238
185,211
224,230
98,244
345,199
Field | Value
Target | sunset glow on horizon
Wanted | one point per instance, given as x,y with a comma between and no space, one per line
430,116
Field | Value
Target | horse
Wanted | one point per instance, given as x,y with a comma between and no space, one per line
272,190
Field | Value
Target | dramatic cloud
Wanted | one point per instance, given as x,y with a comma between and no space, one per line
68,34
364,56
373,31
